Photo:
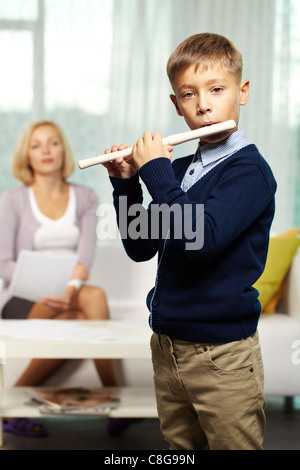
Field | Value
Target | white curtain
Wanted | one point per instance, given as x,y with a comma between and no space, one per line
97,67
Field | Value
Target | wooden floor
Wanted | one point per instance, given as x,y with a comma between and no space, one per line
283,433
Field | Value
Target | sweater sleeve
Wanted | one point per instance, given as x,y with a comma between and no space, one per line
133,219
242,193
244,196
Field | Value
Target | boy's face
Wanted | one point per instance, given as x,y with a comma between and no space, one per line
206,96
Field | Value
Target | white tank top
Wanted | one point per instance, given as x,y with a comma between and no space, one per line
56,235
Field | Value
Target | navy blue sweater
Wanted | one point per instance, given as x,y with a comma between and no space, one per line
206,295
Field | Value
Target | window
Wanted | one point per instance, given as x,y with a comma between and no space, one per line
56,64
78,39
16,44
97,67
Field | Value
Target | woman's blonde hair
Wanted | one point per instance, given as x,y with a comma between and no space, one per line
20,163
205,49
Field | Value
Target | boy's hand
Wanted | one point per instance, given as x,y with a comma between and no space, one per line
120,167
149,147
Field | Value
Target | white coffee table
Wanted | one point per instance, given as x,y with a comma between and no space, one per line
89,340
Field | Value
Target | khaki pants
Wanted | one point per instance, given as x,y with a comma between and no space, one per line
209,396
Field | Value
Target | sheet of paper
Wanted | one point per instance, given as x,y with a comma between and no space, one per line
41,274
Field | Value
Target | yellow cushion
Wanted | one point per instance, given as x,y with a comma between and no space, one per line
281,251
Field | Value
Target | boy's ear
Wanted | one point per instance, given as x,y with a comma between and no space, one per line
244,92
174,101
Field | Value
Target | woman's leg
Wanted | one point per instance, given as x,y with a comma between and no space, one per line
92,303
36,373
89,303
40,370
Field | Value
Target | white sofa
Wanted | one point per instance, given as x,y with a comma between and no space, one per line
280,339
127,284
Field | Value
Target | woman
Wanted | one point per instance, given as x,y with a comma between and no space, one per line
48,213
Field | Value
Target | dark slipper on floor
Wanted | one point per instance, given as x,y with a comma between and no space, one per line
117,426
24,427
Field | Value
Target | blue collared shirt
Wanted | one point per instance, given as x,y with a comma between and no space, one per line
210,155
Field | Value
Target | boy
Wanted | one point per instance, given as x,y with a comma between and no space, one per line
206,356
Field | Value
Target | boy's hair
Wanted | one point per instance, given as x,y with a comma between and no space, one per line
205,49
20,164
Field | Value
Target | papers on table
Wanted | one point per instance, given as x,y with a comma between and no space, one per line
76,401
41,274
55,330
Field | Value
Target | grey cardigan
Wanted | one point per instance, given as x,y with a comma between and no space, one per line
18,226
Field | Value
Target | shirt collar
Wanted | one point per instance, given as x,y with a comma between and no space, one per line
210,153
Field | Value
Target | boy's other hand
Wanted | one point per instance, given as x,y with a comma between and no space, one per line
149,147
120,167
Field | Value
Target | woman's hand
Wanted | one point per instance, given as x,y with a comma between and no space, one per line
149,147
120,167
80,272
61,304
